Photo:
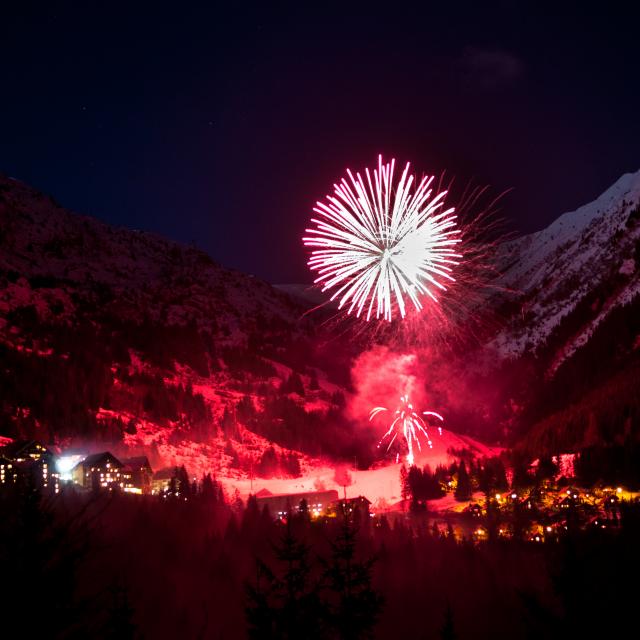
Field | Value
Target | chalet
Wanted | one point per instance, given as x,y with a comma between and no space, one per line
481,533
30,458
566,503
350,506
25,450
141,474
279,506
474,510
161,480
572,499
101,470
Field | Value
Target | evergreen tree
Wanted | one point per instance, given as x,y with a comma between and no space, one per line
353,603
173,488
500,475
485,478
547,469
207,491
184,486
521,477
268,465
463,490
492,519
211,490
286,604
245,409
291,464
237,504
293,384
229,424
447,631
415,479
120,624
38,549
303,509
405,488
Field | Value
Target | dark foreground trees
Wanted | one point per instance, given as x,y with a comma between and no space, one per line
305,596
109,565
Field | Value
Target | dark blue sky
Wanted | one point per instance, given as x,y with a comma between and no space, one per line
223,127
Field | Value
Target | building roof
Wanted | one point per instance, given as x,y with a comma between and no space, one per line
358,499
23,448
164,474
293,500
137,462
98,459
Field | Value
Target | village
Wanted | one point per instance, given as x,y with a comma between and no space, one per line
539,513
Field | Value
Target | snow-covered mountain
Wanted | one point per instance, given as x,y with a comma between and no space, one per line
571,336
146,341
41,240
591,249
123,336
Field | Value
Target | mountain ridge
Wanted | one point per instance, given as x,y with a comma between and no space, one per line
187,345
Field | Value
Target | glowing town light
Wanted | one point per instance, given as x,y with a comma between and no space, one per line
409,424
379,244
66,464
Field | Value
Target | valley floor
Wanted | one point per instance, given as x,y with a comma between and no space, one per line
381,485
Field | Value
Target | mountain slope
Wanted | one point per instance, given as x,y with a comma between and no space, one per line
41,240
575,321
125,337
121,336
553,270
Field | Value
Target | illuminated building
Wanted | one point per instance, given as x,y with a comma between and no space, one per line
161,480
141,474
101,470
351,506
475,510
29,458
279,506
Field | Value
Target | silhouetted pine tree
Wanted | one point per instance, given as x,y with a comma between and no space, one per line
447,631
463,490
286,604
404,483
229,424
521,477
268,465
293,384
352,602
500,474
120,623
40,556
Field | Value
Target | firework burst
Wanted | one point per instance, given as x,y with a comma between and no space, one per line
380,245
409,423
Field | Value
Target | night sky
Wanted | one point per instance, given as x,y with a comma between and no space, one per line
222,129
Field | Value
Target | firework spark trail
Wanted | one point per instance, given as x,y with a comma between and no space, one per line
379,245
409,423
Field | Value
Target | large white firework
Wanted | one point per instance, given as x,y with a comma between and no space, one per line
379,245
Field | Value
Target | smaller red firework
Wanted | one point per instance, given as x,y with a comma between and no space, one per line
409,423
